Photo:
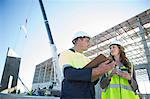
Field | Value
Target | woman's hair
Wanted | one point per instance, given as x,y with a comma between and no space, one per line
123,59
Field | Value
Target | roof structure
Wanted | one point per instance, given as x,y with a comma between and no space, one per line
134,34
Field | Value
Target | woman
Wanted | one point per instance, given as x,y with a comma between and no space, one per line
119,83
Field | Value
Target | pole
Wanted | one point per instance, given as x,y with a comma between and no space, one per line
46,23
52,46
23,84
147,52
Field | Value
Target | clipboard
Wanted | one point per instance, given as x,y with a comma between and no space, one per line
96,61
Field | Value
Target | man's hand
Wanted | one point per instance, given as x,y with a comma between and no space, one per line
106,66
101,69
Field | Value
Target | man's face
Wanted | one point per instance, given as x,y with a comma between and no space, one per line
84,43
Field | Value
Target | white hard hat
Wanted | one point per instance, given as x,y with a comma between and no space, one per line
80,34
115,42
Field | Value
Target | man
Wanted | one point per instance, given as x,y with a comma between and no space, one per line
79,82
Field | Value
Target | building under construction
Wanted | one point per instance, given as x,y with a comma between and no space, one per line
45,75
134,34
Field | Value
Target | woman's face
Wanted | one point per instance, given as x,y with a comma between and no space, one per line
114,50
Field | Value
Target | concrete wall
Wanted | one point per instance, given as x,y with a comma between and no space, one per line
11,68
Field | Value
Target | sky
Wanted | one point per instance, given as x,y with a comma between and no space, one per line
65,18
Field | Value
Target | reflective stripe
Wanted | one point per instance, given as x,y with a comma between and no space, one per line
118,86
66,65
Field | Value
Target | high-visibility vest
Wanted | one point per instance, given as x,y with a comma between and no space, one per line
74,59
119,88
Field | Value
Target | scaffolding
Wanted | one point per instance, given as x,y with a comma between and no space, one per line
134,34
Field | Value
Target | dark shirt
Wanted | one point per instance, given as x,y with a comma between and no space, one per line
77,84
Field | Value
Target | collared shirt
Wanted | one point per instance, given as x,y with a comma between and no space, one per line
77,80
74,59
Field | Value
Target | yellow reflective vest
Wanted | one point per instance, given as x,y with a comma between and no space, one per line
75,59
77,82
119,88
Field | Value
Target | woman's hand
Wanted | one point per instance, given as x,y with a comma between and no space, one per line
121,73
114,71
124,74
